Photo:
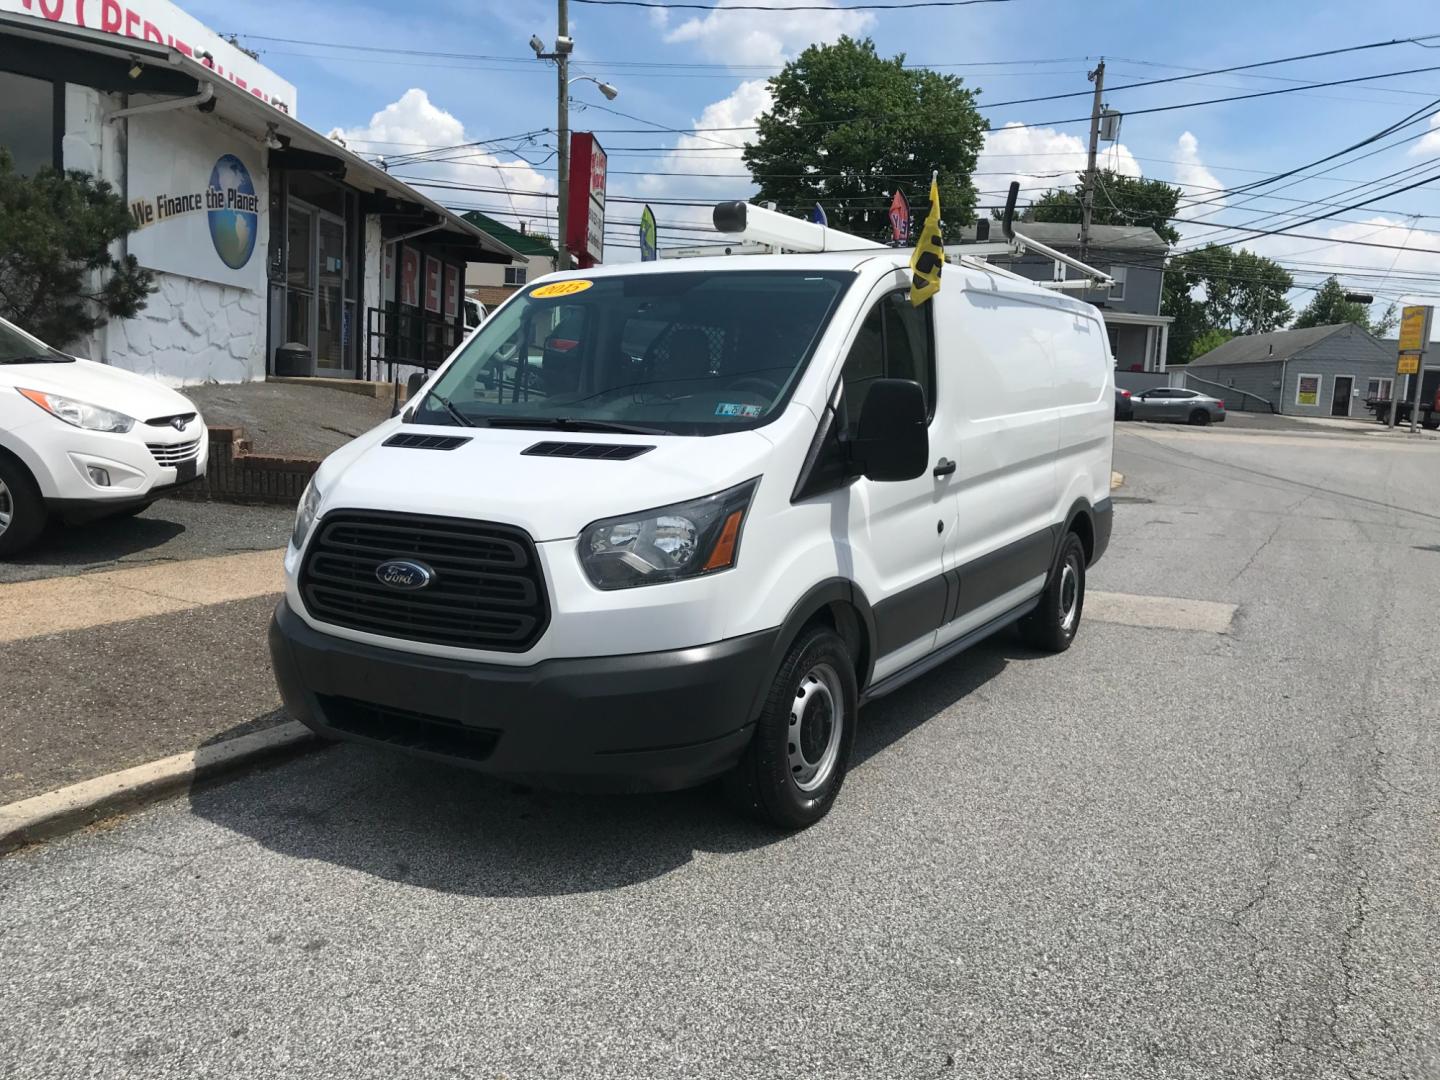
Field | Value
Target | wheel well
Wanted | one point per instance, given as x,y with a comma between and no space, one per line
1084,528
845,621
15,460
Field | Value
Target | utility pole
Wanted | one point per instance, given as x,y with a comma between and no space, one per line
562,183
1087,198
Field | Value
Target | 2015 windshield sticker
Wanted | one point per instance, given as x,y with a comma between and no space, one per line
746,412
560,288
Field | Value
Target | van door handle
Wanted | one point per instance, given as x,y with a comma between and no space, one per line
944,468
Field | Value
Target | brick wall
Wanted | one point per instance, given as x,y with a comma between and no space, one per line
236,475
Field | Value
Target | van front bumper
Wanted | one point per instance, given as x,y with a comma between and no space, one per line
649,721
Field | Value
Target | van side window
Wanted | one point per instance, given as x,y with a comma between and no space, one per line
896,341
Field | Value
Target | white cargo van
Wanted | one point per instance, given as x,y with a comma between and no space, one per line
740,498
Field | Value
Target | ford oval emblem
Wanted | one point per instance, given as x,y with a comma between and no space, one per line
404,574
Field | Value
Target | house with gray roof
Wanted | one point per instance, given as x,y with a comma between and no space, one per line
1134,256
1317,371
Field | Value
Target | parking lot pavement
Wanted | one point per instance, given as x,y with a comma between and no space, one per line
1167,853
128,640
170,530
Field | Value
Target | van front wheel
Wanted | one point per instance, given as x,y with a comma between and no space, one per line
1052,625
795,763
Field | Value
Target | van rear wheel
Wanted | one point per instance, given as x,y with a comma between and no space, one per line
1053,624
793,768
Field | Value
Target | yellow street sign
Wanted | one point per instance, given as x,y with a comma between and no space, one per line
1412,329
1409,364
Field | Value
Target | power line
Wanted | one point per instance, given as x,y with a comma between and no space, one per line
904,6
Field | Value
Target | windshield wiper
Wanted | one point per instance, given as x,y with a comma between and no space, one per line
570,423
460,418
36,359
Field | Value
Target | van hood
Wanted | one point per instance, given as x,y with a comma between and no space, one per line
102,385
490,478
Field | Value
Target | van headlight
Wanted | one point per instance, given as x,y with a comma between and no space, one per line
681,541
80,413
305,515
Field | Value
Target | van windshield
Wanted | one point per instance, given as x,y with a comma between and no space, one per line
674,353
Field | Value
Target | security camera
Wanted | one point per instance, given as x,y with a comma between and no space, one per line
537,44
564,45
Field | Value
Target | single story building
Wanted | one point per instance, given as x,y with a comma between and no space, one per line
1317,371
494,283
262,233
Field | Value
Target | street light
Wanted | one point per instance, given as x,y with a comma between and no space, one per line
564,46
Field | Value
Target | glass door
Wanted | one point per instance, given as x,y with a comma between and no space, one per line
300,276
330,328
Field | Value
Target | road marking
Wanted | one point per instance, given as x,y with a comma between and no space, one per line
1160,612
54,605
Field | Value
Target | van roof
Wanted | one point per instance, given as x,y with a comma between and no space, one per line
972,271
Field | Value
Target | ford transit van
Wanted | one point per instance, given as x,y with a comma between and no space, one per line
658,523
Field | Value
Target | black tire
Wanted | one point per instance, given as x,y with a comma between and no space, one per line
814,690
1052,626
1199,417
21,503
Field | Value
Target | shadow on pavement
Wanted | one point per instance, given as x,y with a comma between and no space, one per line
102,541
450,829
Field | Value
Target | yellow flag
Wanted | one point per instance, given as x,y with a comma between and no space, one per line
929,257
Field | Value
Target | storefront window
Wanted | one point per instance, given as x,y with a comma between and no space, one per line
28,121
330,341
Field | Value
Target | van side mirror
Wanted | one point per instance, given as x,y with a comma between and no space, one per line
413,385
892,441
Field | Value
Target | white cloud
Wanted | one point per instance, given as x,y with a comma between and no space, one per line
1040,159
414,122
1429,145
737,37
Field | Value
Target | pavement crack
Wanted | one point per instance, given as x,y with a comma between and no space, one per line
1271,869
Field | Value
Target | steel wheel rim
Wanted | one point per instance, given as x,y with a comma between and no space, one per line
7,508
817,723
1069,595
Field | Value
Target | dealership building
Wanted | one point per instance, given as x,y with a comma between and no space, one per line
275,249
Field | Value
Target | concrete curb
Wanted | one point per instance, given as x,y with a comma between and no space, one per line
44,816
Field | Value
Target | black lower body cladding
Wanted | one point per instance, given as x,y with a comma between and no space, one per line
650,721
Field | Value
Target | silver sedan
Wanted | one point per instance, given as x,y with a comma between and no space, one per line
1179,405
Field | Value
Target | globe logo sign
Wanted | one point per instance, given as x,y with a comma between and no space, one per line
234,211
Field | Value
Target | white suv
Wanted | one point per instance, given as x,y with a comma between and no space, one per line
81,440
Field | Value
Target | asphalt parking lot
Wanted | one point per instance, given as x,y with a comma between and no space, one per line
1167,853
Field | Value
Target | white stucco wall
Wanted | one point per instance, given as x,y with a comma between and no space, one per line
192,332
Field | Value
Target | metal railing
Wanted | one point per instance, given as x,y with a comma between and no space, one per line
416,339
1232,391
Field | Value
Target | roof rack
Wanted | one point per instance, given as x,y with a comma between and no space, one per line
763,230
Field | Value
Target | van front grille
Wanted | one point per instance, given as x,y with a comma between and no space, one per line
486,590
412,730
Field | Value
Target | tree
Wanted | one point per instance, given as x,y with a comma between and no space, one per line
847,127
1220,288
1329,307
58,279
1119,200
1209,339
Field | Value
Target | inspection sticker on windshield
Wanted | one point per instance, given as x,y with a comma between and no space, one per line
560,288
726,408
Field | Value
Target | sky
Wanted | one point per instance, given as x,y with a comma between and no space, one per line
393,79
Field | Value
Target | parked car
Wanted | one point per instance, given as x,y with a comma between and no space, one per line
1124,408
805,493
475,313
1179,405
80,440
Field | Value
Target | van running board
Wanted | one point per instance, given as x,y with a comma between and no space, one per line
925,664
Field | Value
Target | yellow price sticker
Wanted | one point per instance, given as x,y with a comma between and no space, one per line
560,288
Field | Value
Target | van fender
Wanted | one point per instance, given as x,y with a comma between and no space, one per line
836,590
1081,519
